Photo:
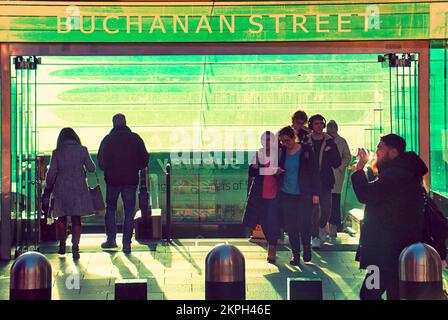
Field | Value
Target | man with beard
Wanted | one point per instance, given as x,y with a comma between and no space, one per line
393,216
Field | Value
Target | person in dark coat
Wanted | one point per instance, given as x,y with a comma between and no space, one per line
66,178
327,158
299,189
262,205
122,154
393,216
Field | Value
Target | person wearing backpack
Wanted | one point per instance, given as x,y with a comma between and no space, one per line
393,216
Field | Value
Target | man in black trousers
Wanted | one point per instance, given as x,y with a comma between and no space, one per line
393,216
122,154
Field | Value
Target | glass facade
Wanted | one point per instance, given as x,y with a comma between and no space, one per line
205,113
439,118
25,189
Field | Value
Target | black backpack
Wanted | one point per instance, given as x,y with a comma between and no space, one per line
436,227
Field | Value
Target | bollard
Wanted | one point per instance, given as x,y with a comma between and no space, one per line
420,273
131,289
304,288
30,277
225,277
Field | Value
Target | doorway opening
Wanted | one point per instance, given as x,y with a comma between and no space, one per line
204,113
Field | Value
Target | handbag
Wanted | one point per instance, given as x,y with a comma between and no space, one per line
97,196
47,205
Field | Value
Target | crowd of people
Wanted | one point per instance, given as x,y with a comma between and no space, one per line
297,174
301,196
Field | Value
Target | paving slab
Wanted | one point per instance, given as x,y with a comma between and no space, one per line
178,271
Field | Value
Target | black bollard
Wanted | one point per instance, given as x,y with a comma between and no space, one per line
225,277
30,277
131,289
302,288
420,273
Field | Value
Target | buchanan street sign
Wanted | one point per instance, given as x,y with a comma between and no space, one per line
23,21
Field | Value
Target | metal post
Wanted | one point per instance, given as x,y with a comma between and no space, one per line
225,277
420,273
143,195
143,226
168,203
31,277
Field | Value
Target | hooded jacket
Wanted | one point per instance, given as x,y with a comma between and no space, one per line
327,161
393,216
121,155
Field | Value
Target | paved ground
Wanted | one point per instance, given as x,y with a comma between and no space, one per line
176,271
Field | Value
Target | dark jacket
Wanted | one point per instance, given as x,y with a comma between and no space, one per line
302,133
307,178
121,155
327,161
393,216
252,214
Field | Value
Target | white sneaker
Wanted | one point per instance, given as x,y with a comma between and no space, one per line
322,235
315,242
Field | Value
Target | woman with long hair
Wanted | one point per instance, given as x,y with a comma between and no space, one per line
66,178
298,191
262,206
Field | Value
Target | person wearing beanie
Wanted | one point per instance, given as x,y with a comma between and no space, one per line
339,176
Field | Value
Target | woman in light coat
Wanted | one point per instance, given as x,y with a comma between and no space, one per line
339,175
67,179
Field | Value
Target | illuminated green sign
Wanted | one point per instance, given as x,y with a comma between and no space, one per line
22,21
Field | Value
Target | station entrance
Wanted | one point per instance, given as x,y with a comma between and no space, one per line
202,111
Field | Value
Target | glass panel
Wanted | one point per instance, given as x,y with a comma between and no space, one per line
404,111
191,109
439,118
23,154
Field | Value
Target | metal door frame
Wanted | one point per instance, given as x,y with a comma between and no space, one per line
136,49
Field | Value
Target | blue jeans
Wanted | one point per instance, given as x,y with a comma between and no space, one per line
128,195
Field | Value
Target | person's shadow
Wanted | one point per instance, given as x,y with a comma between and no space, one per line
144,272
186,255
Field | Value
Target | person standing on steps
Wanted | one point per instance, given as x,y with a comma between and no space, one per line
122,154
339,175
298,184
327,157
393,216
66,178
